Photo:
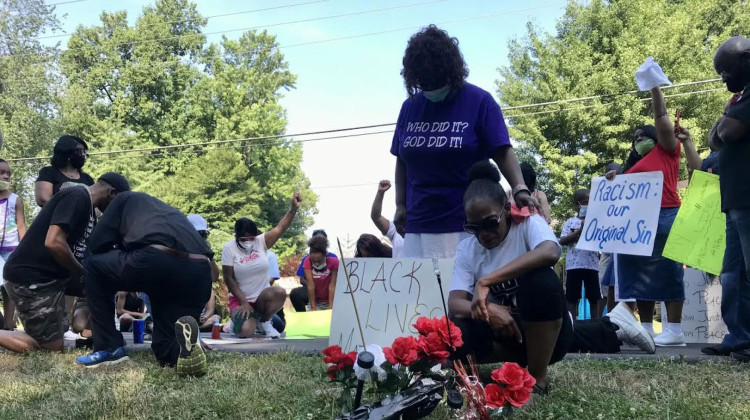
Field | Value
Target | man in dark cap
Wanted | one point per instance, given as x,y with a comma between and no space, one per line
142,244
731,136
47,260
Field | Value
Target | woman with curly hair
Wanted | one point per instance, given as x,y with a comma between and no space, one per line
369,246
445,126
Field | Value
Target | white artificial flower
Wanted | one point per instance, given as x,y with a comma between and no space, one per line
364,374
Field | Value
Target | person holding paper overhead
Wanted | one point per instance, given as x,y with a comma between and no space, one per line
654,278
444,126
731,134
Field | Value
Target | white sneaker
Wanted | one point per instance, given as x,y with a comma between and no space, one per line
631,331
71,336
670,339
269,330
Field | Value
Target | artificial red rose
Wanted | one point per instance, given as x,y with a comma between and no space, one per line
495,396
333,354
424,325
404,351
511,376
528,380
432,348
441,326
518,397
348,359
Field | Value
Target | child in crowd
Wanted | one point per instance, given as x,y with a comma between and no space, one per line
394,233
14,227
581,266
320,272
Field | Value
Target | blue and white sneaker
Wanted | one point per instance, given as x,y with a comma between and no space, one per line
102,358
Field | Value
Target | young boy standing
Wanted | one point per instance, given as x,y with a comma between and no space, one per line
581,267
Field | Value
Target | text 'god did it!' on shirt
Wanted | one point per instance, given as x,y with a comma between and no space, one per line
250,265
438,142
32,262
473,261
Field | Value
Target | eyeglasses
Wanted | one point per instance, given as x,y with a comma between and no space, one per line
489,224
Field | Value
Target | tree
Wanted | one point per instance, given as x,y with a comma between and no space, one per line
28,85
596,49
157,85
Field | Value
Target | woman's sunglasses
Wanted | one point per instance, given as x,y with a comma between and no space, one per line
487,225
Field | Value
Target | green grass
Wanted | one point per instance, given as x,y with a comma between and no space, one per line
291,386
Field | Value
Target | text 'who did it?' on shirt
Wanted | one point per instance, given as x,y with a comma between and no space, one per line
438,142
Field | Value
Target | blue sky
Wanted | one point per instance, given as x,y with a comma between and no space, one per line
355,82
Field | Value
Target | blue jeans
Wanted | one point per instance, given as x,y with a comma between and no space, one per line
735,284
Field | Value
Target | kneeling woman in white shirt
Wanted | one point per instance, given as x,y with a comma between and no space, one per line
503,287
244,263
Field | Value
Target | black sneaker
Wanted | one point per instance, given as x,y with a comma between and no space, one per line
192,359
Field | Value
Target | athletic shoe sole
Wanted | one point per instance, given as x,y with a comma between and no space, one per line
192,359
107,363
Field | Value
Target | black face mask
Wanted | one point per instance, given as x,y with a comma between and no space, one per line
77,161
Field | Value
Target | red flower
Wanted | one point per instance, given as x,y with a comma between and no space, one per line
495,396
424,326
337,360
432,348
511,376
404,351
441,326
518,397
528,380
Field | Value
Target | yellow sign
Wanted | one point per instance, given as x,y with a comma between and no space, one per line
698,236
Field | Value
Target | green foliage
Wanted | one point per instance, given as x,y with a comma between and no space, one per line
597,47
155,85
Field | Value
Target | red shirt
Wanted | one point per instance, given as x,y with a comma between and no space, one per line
667,163
322,278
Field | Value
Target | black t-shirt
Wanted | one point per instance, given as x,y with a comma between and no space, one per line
134,220
57,178
31,262
734,159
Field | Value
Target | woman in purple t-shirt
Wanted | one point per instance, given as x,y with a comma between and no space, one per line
445,126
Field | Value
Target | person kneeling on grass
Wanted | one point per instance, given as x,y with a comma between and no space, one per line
253,301
142,244
38,272
504,288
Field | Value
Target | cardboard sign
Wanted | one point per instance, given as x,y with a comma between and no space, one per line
698,236
391,294
701,313
623,214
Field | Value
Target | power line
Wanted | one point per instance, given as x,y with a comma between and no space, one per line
249,28
66,2
216,142
207,17
340,38
419,27
608,95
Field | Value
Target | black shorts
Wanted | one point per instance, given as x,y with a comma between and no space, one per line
582,276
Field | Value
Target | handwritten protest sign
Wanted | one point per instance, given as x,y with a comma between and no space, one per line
623,214
701,313
698,236
391,294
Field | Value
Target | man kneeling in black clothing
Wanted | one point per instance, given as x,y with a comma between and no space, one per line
142,244
504,289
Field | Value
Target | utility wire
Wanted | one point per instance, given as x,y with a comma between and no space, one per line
207,17
66,2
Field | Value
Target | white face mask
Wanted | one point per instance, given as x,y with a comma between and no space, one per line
4,185
319,266
246,244
582,211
